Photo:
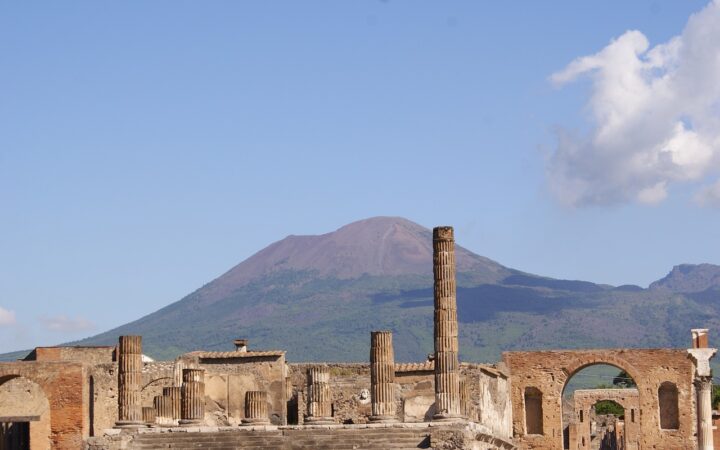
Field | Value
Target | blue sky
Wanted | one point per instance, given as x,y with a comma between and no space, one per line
147,147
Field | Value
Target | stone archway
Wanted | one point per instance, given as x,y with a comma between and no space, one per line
549,371
584,400
62,383
23,403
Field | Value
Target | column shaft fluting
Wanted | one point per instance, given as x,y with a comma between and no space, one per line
447,379
464,398
129,381
192,394
319,399
382,376
256,409
703,386
163,410
149,414
174,394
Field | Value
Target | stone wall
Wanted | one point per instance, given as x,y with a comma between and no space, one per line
20,397
86,355
549,371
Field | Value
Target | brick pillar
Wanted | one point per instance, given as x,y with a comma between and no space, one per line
163,411
447,377
148,413
174,395
382,376
192,411
129,382
256,409
319,400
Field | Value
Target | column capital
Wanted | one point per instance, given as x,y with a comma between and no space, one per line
702,357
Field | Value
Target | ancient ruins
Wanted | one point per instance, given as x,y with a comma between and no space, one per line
111,398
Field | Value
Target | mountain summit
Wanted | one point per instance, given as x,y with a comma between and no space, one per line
318,297
378,246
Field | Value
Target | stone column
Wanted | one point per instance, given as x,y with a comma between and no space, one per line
464,399
129,382
382,376
174,395
319,400
256,410
703,386
163,410
148,413
447,377
192,397
701,355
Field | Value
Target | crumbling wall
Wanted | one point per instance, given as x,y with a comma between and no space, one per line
20,397
494,403
549,371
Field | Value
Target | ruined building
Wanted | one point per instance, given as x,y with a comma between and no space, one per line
108,398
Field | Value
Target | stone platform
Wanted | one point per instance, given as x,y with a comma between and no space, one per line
396,436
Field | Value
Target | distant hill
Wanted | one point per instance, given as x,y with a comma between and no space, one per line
319,297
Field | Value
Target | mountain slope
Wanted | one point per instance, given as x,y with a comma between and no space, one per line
319,297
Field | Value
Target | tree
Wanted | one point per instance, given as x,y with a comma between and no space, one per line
624,380
609,407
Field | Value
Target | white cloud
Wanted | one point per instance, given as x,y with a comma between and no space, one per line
655,115
7,317
64,324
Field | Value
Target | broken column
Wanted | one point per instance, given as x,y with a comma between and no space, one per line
382,376
174,395
464,399
319,401
163,411
192,411
148,413
129,382
447,377
256,409
701,355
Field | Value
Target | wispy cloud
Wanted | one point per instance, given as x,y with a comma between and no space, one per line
64,324
7,317
655,115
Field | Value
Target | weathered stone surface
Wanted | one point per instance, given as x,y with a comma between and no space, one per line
192,411
447,377
549,371
256,409
129,381
319,398
382,376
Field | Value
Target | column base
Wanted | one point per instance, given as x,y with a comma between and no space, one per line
445,417
319,420
382,419
190,422
254,422
130,424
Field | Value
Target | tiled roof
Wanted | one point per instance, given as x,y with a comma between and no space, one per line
234,354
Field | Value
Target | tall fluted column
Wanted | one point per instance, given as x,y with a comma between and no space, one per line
174,395
703,386
256,410
193,397
447,378
382,376
319,400
129,382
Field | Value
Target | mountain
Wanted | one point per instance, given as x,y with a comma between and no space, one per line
690,278
318,297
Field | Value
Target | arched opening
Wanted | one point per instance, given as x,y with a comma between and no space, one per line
533,411
668,402
24,414
597,401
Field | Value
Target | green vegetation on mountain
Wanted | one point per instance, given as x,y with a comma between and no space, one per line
318,297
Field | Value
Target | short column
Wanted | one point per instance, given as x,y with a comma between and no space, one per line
174,395
163,411
129,382
256,410
319,400
192,397
148,413
382,377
